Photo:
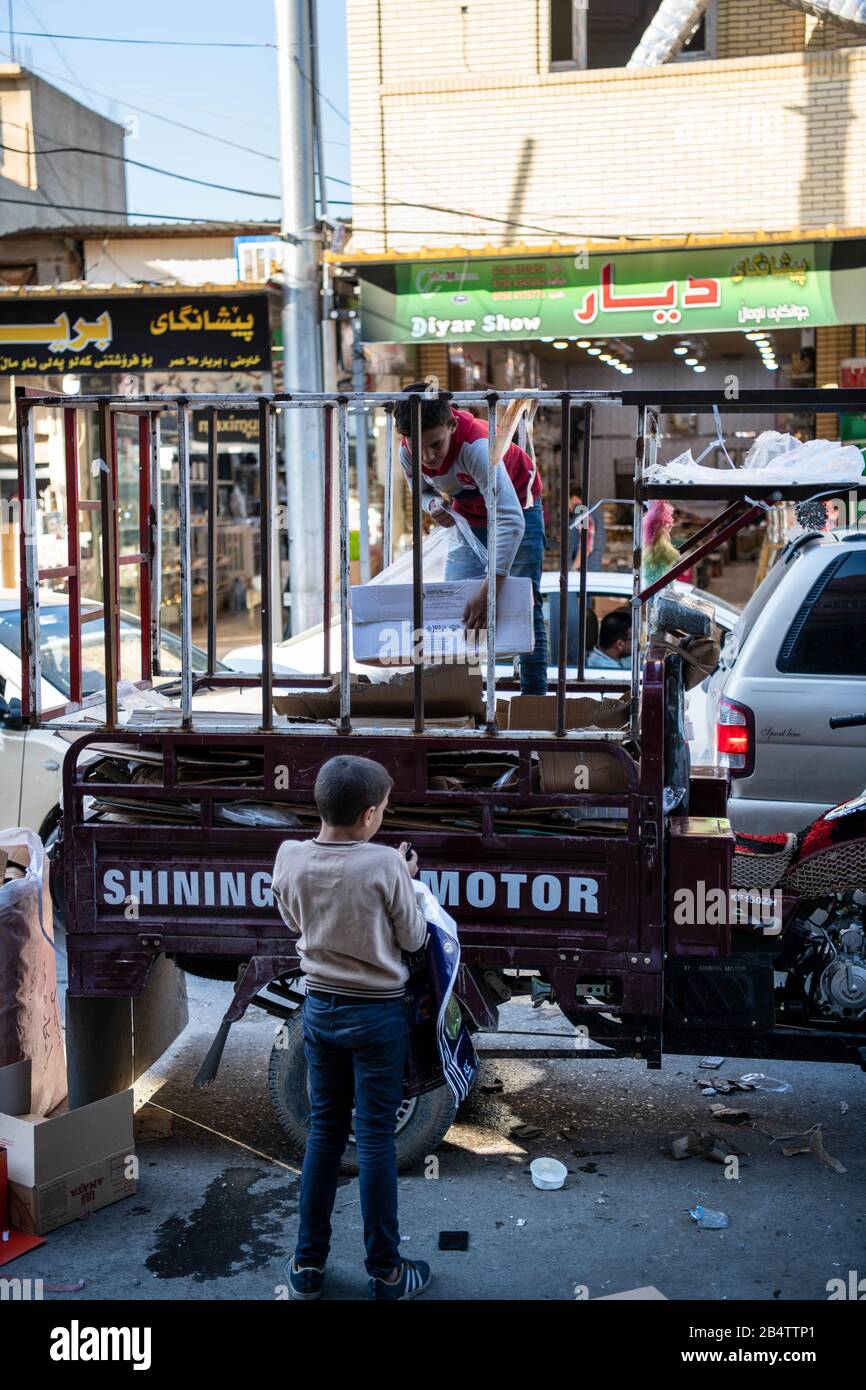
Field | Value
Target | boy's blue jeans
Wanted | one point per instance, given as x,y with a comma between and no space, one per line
355,1056
463,563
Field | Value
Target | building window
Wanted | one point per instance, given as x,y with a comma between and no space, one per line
605,33
568,33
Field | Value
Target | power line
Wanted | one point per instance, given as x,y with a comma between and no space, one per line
113,212
167,120
170,101
153,168
152,43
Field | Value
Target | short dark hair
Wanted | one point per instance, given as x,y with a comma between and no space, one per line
435,410
347,786
614,626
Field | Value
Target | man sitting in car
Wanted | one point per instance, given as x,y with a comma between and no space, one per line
614,643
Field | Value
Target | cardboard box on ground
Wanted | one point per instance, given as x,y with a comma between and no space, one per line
65,1165
557,769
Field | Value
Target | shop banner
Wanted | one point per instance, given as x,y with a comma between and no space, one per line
84,334
798,285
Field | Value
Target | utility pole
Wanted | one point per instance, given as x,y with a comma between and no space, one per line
11,32
301,312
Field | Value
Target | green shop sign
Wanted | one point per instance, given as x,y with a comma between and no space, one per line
797,285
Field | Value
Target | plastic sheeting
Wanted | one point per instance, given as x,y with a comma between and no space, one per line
29,1009
773,459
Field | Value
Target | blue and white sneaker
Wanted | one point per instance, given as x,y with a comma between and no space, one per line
414,1278
304,1283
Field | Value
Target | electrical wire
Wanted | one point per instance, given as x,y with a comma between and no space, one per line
151,43
170,101
153,168
113,212
155,115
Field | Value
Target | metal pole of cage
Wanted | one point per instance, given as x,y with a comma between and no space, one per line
184,539
31,658
637,566
345,668
492,528
388,511
584,543
327,596
564,554
144,589
73,552
266,521
155,546
109,562
417,646
212,517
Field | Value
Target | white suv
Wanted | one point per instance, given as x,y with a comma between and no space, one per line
796,659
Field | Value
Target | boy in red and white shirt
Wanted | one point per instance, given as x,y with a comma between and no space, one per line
454,469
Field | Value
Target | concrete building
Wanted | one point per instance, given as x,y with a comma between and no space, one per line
56,156
518,185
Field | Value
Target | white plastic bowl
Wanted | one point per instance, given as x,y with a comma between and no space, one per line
548,1174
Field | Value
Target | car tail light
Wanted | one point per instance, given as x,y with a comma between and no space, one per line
735,738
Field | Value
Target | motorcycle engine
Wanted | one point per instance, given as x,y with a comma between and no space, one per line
825,957
842,986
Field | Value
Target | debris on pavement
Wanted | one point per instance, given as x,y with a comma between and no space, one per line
729,1115
702,1144
152,1122
548,1174
453,1240
816,1144
816,1147
757,1081
525,1132
709,1220
843,1106
712,1063
492,1088
649,1291
75,1287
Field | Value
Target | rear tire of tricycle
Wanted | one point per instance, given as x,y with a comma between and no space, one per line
422,1122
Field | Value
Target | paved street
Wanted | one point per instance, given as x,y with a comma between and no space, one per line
216,1211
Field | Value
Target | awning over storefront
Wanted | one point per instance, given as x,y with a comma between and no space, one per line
109,331
770,285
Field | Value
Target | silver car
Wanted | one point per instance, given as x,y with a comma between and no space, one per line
796,658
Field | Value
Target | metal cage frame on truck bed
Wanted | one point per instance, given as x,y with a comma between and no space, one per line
622,940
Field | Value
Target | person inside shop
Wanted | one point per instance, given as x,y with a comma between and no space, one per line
575,513
613,651
454,467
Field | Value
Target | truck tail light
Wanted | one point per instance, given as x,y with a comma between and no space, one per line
735,738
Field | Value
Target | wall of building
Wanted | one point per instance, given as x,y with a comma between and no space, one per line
36,118
163,260
770,135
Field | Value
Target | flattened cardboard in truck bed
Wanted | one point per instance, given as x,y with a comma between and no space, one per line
563,770
449,691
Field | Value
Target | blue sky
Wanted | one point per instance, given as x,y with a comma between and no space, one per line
230,94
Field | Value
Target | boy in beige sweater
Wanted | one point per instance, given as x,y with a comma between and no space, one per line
355,912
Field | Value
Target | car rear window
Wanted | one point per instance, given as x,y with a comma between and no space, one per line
826,637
